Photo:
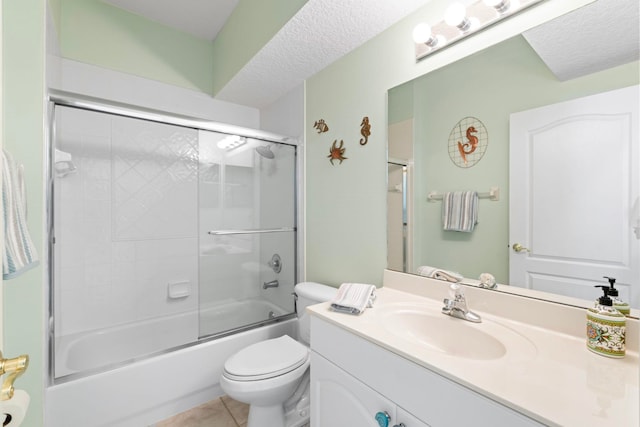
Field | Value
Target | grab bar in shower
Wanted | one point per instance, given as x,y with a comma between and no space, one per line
250,231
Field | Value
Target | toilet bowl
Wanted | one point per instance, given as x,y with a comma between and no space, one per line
272,376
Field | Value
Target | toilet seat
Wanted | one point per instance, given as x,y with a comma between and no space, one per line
266,359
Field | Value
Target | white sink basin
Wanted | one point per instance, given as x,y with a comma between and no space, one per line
454,337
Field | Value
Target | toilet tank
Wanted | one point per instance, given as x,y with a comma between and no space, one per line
310,293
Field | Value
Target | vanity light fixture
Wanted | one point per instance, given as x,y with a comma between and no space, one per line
461,21
500,5
422,34
456,16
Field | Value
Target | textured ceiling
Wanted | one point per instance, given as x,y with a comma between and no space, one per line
596,37
320,33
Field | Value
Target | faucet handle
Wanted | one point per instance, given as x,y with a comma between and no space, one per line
455,292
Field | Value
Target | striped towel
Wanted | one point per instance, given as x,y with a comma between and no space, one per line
19,252
460,211
354,298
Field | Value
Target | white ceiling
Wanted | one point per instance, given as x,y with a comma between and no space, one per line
320,33
596,37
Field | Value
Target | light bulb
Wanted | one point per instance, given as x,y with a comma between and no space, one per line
422,33
500,5
456,16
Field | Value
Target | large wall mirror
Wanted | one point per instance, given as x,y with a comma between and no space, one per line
585,190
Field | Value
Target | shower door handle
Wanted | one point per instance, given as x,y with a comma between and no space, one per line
250,231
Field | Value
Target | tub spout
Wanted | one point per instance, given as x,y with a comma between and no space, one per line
271,284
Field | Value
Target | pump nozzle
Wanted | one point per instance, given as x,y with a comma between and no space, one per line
604,300
613,292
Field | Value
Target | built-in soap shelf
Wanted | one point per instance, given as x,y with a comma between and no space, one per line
179,290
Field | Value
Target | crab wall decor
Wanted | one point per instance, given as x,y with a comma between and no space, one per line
321,126
365,130
337,152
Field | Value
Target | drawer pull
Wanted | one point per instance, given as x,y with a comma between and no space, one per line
383,419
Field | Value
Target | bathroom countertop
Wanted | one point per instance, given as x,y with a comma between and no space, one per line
546,374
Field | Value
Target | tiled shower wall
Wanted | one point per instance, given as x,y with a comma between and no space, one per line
125,222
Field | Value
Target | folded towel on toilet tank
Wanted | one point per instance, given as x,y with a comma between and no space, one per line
354,298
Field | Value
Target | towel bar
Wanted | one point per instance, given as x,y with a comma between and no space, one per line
250,231
493,194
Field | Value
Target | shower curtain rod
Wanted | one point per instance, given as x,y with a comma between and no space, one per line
85,102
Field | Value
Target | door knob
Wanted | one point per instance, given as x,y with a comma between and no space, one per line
517,247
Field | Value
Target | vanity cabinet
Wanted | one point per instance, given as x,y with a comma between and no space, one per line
353,378
338,399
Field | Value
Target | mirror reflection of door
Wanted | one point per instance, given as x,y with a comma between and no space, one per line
574,182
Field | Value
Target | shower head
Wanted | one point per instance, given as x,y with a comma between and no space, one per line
265,151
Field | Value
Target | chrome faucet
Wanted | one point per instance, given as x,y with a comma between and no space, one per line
271,284
457,305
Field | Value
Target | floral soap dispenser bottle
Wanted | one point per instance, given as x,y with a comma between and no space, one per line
606,327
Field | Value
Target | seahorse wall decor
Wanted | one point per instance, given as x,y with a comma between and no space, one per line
468,147
321,126
365,130
337,152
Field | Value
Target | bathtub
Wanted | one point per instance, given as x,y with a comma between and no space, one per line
143,392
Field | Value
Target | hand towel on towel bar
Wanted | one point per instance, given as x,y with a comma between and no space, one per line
19,252
354,298
460,211
437,273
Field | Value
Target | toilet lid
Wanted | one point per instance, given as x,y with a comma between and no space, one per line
266,359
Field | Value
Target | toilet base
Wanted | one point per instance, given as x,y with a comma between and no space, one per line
294,412
266,416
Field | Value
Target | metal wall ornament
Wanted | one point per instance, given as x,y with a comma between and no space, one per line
337,152
321,126
365,130
468,142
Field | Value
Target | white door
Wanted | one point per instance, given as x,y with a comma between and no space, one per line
574,207
1,205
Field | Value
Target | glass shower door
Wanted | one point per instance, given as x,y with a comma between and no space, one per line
247,231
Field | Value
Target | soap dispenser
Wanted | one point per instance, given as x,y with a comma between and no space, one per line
618,304
606,327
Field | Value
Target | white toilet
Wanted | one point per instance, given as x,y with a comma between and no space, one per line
272,376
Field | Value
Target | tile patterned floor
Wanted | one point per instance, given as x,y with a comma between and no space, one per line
221,412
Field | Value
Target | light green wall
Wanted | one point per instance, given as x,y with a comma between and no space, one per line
400,103
252,24
97,33
55,6
346,204
23,60
490,85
